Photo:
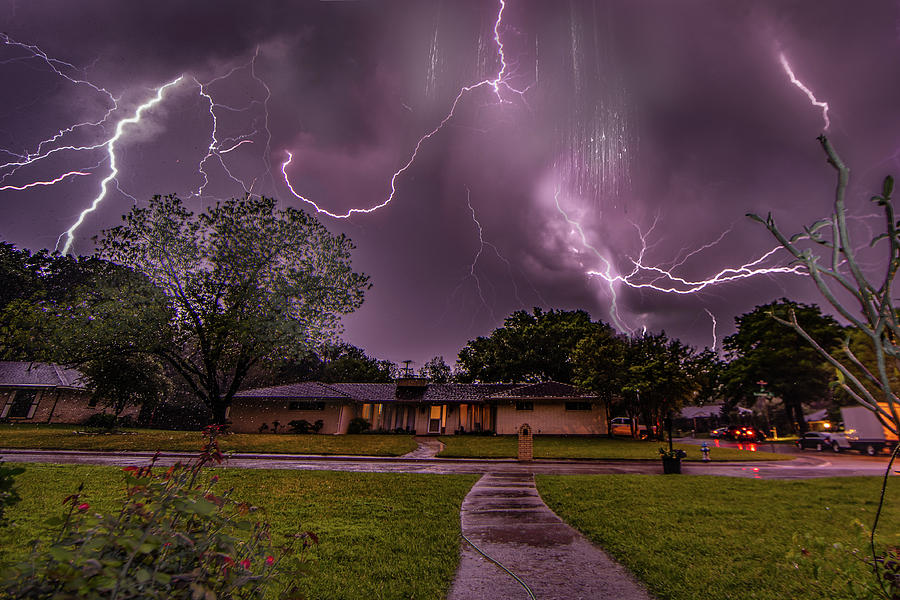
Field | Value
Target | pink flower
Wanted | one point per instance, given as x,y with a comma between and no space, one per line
270,559
84,506
245,563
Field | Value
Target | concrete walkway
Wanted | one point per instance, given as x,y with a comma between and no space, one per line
428,447
504,516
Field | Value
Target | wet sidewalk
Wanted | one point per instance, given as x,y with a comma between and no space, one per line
428,447
504,516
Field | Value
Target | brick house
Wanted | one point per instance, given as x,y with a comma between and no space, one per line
413,404
33,392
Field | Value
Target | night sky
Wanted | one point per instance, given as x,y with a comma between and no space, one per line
614,126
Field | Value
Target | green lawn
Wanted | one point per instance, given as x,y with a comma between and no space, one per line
506,446
381,535
723,538
63,437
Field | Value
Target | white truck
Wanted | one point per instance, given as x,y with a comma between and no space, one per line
864,431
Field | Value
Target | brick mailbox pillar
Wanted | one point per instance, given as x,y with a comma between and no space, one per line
526,443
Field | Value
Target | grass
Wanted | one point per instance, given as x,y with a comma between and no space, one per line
506,446
381,535
63,437
723,538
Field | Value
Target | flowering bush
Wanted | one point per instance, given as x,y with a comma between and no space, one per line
675,453
172,537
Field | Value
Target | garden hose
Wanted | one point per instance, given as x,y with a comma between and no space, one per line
887,473
499,564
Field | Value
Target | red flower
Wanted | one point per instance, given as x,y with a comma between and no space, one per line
245,563
84,506
270,559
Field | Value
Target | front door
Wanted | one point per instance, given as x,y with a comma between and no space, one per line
434,419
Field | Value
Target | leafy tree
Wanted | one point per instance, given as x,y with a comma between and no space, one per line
662,374
764,350
436,370
27,279
600,366
838,271
123,380
347,363
237,284
529,347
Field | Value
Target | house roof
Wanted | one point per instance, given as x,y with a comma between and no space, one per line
710,410
304,389
434,393
545,389
37,374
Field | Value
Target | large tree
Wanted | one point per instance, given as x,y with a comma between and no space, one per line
763,349
241,282
529,347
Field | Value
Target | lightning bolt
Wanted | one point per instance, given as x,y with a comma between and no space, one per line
19,188
497,84
606,274
69,234
664,279
54,145
806,90
481,244
714,325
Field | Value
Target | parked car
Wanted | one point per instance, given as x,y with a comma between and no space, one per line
823,440
718,433
741,433
622,426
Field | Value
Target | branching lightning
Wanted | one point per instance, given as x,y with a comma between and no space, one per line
665,280
497,84
69,234
53,145
638,272
806,90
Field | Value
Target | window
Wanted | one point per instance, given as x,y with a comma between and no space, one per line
578,406
525,405
22,406
306,406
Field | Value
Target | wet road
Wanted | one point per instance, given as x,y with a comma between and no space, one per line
805,466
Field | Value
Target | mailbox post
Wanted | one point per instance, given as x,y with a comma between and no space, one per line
526,443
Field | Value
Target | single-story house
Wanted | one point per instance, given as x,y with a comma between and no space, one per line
415,405
34,392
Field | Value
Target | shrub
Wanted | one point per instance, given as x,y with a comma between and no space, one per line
101,421
108,421
8,495
304,426
172,537
358,425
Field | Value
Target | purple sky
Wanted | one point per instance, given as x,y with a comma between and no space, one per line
652,119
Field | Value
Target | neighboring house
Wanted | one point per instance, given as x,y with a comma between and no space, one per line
706,418
413,404
33,392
